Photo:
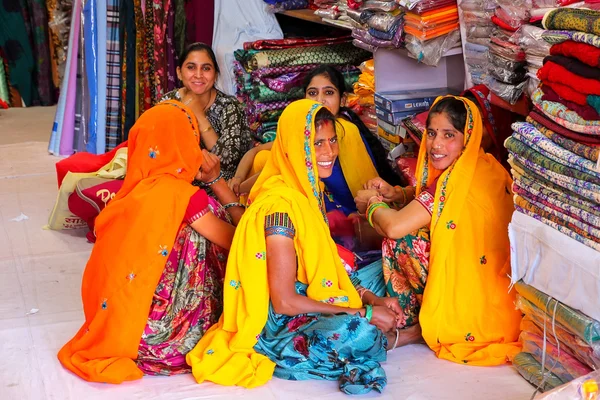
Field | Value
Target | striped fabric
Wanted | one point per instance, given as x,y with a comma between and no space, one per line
113,76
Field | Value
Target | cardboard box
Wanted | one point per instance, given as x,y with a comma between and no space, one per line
409,100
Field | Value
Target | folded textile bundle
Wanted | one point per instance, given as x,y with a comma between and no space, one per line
553,341
271,73
531,370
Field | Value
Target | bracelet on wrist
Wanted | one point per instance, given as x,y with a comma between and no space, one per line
368,312
207,184
371,211
234,204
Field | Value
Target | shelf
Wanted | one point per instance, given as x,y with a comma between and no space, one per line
309,15
521,107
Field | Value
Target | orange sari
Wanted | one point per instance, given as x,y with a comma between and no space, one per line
135,234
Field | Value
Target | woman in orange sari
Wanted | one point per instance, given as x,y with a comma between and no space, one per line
153,283
446,258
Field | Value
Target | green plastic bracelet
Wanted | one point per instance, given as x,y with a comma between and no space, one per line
368,312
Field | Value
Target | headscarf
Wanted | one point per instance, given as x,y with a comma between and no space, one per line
496,120
468,315
354,158
135,232
289,183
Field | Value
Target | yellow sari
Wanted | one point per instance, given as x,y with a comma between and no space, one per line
468,315
288,184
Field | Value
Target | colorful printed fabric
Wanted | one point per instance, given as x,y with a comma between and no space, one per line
559,226
286,82
565,200
555,37
583,326
587,21
591,130
342,347
585,220
584,230
336,54
188,300
113,76
36,21
589,152
405,269
522,167
278,44
583,52
586,112
561,111
529,180
528,134
554,169
262,94
227,119
541,118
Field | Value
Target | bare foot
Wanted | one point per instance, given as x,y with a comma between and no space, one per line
406,336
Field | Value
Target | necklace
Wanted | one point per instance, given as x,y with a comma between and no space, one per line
188,101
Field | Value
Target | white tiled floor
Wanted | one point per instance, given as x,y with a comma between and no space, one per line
42,269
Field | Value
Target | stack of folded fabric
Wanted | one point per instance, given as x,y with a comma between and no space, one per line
362,101
559,343
536,48
555,232
431,28
377,26
478,28
270,74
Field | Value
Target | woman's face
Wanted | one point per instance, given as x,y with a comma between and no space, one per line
198,72
444,142
321,89
326,148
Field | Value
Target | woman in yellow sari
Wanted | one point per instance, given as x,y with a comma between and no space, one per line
459,279
315,326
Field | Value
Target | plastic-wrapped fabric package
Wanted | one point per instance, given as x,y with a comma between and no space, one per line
583,326
507,92
534,322
431,51
584,388
560,363
381,5
531,370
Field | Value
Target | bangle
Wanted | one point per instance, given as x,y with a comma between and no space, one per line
371,211
379,200
368,312
207,129
235,204
207,184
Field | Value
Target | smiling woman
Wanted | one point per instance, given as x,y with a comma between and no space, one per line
220,117
446,256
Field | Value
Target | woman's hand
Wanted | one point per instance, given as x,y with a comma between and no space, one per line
384,189
234,184
384,318
362,199
210,168
390,303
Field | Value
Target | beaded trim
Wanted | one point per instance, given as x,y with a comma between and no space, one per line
186,114
279,224
312,176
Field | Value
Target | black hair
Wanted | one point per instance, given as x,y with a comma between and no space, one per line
335,76
455,110
385,171
199,46
323,116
